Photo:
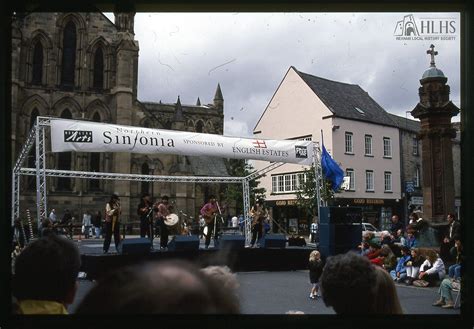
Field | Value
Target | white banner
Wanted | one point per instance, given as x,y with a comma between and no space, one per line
85,136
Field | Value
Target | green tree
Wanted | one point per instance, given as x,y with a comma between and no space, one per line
306,194
233,193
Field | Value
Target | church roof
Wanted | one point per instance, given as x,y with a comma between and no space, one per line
433,72
347,100
208,166
405,123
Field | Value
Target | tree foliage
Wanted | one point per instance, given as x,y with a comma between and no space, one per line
306,194
233,193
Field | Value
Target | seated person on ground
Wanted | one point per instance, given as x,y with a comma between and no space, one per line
413,265
454,271
399,274
45,276
432,269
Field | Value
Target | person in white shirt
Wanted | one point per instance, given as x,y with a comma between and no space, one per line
52,216
235,221
86,223
432,269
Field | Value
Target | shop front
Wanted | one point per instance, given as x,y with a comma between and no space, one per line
288,218
378,212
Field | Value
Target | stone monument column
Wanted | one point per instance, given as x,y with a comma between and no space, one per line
435,111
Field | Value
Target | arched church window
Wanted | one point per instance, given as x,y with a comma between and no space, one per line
31,180
37,74
199,126
69,56
94,165
98,69
64,161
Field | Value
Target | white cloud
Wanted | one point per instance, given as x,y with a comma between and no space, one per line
187,54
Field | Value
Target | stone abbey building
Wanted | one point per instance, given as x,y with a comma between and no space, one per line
83,66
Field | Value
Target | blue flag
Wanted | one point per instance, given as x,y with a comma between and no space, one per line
331,170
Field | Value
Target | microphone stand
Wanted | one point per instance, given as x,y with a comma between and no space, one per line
150,226
215,220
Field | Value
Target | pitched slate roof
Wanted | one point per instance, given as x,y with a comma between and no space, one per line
406,124
347,101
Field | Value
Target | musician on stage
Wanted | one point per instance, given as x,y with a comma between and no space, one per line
258,213
162,209
112,222
145,211
209,212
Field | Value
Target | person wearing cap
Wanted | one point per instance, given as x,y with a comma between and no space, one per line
112,222
399,274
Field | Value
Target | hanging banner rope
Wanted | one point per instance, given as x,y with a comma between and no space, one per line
85,136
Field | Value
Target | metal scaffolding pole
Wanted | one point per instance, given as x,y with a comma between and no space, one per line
246,194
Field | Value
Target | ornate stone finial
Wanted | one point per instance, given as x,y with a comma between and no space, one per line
433,53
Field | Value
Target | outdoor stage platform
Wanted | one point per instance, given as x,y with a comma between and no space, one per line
239,260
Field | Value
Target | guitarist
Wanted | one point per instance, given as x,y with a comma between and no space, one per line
209,213
258,213
145,211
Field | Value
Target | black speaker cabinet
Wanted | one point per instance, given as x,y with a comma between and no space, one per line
273,241
231,242
135,246
296,242
184,242
340,215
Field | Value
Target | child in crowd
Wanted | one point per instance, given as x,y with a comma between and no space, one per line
413,265
400,272
315,270
411,241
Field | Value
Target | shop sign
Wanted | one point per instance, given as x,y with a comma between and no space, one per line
369,201
416,200
286,202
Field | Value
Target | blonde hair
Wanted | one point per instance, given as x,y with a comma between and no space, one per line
386,297
314,255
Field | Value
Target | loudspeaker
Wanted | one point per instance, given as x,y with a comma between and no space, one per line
231,242
273,241
340,215
339,238
184,242
135,246
297,241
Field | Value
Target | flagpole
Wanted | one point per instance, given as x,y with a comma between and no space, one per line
323,181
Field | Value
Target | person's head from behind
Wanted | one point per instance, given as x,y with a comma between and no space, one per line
314,256
228,284
47,269
347,283
386,297
176,287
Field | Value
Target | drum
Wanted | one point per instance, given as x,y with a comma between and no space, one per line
172,221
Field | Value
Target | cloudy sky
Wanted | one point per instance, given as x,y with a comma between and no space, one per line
187,54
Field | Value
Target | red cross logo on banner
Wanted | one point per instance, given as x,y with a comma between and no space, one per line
259,144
